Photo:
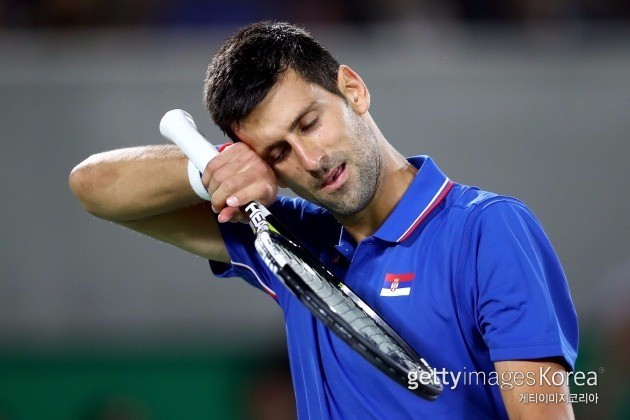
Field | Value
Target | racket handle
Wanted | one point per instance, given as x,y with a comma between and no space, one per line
178,126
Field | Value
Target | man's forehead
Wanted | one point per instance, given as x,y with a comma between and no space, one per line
285,98
277,112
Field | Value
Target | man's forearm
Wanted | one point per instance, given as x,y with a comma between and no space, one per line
134,183
522,377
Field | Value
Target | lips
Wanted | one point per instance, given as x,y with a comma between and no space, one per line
332,177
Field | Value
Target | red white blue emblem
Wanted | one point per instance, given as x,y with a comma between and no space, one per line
397,284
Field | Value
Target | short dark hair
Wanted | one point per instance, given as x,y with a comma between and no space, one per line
252,60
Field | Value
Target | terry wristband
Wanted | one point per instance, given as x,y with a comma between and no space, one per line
194,177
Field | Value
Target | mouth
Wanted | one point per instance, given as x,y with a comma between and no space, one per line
334,178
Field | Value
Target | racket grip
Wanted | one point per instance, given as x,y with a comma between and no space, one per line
178,126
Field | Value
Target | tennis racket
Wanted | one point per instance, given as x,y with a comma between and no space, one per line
325,295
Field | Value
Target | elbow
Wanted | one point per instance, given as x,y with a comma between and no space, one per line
88,182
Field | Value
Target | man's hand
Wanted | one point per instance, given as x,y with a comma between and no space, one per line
234,178
519,383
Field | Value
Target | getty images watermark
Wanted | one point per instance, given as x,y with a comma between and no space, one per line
508,380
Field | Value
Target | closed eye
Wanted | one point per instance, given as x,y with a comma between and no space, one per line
310,126
278,154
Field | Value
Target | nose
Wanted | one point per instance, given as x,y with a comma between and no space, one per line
310,155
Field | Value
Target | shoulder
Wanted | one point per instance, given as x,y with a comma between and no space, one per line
474,199
493,228
478,207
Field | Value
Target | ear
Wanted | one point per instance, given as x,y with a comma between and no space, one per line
353,89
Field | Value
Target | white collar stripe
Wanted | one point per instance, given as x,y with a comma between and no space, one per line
266,288
436,199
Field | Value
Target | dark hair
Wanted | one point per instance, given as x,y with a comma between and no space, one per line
252,60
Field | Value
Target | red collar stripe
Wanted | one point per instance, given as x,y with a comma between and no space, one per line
439,195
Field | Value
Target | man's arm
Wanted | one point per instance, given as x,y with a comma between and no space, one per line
519,378
147,189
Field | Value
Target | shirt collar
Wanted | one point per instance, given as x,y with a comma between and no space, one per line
426,191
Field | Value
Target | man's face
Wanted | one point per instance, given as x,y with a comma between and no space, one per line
316,144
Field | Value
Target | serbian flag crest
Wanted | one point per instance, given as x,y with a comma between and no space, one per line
397,284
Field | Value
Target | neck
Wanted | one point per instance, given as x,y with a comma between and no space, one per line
396,176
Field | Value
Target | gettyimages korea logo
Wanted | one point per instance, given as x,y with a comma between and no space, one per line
583,384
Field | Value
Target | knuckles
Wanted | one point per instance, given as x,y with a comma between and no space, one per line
235,169
270,191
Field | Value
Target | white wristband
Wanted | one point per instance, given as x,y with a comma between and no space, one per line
194,177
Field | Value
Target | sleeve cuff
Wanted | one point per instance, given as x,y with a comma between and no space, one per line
534,351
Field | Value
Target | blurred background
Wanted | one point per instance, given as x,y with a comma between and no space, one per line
525,98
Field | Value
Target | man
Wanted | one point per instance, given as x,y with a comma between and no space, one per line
481,293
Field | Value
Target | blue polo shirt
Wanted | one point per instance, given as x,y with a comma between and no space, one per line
465,276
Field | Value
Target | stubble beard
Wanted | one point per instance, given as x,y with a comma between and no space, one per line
364,163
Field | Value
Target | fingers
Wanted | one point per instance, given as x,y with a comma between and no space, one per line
231,214
244,187
236,177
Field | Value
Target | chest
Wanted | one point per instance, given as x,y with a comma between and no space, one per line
410,285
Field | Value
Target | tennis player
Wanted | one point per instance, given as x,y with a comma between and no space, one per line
467,277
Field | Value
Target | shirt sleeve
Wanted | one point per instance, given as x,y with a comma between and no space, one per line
245,261
523,308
